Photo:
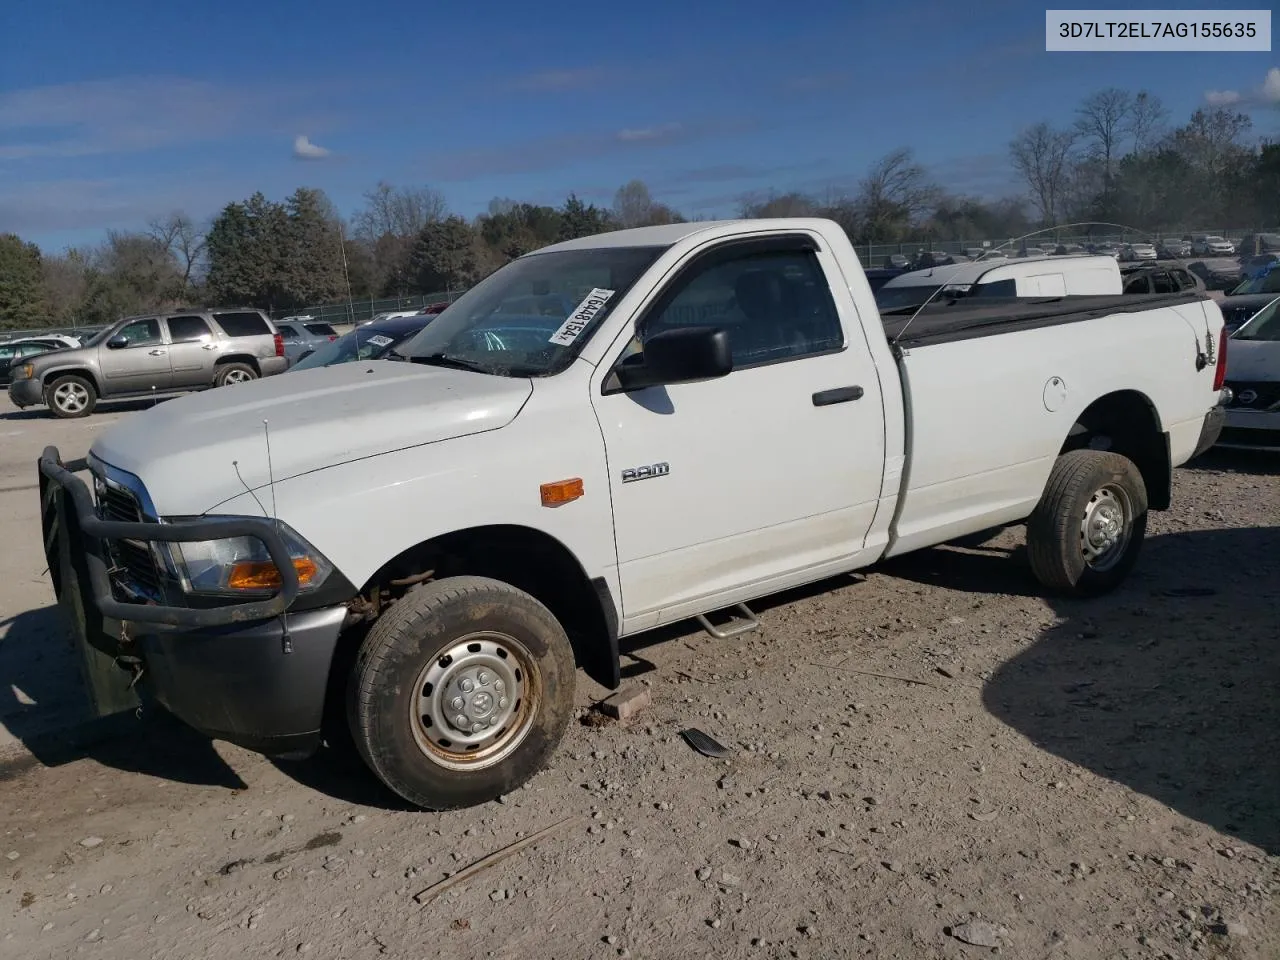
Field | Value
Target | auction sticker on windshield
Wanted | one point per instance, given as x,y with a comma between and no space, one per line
581,316
379,340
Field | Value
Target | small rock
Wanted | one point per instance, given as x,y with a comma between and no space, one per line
498,895
12,855
742,843
91,842
282,873
977,932
105,888
715,923
237,833
1169,862
334,864
93,935
610,939
1231,928
359,818
893,866
304,948
729,880
702,873
288,818
808,930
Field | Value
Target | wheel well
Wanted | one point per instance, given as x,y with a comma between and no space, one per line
1125,422
48,378
240,358
527,559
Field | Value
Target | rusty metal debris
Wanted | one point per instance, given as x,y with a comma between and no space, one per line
469,871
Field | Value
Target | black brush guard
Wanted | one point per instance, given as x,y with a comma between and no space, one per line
75,549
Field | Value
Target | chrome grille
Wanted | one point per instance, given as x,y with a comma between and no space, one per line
133,557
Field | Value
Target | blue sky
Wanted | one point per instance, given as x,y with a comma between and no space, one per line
114,112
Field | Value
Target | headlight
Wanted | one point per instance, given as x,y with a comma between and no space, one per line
26,371
241,566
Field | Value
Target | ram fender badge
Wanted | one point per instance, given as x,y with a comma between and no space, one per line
631,474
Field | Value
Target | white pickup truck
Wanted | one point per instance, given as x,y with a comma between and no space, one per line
603,436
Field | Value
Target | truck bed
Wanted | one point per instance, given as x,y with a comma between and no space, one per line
967,318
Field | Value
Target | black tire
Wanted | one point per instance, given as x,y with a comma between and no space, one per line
231,373
392,701
70,396
1085,491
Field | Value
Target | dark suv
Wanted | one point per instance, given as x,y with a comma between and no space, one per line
143,356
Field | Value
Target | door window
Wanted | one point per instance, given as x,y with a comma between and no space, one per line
188,329
775,305
1162,283
141,333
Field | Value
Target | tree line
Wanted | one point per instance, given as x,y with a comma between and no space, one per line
1119,162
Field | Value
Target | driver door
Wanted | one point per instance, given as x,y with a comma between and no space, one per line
139,365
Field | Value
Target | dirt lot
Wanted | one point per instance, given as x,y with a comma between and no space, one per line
927,753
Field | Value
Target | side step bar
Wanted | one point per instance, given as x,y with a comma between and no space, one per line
744,622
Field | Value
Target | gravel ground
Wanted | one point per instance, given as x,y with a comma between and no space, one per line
922,756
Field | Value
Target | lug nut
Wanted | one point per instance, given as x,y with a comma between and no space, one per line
498,685
461,721
502,702
458,703
483,678
467,686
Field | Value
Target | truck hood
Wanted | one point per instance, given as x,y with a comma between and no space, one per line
187,451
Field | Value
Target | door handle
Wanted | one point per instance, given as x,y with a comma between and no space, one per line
210,346
824,398
157,353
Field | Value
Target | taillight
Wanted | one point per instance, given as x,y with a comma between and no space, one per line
1220,372
279,345
332,337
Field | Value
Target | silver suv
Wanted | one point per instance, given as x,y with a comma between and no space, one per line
148,355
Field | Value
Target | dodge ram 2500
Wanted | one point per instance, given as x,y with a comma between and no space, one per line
603,436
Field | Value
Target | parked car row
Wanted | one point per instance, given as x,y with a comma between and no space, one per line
185,350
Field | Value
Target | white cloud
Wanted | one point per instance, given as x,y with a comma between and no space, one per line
650,133
1267,95
304,149
1271,86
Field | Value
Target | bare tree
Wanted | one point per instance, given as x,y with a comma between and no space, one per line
1147,117
1043,156
178,234
398,211
895,194
777,205
1101,120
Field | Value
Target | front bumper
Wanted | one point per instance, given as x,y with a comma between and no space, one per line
240,672
253,685
26,393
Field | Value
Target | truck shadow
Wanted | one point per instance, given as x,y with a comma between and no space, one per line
44,708
1169,690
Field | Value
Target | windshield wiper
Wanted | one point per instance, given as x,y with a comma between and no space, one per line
455,363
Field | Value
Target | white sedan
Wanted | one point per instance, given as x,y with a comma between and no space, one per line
1253,375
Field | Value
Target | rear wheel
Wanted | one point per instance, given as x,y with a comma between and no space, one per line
230,373
461,692
71,396
1085,533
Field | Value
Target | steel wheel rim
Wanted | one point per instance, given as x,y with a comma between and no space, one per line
1106,527
496,680
237,376
71,397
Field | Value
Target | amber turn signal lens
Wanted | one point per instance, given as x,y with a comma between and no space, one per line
562,491
263,574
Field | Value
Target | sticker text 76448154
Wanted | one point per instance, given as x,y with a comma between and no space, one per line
578,320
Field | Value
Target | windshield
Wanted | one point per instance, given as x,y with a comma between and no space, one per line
360,344
530,318
1267,283
1263,325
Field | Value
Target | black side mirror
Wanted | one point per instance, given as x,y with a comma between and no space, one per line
682,355
117,342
